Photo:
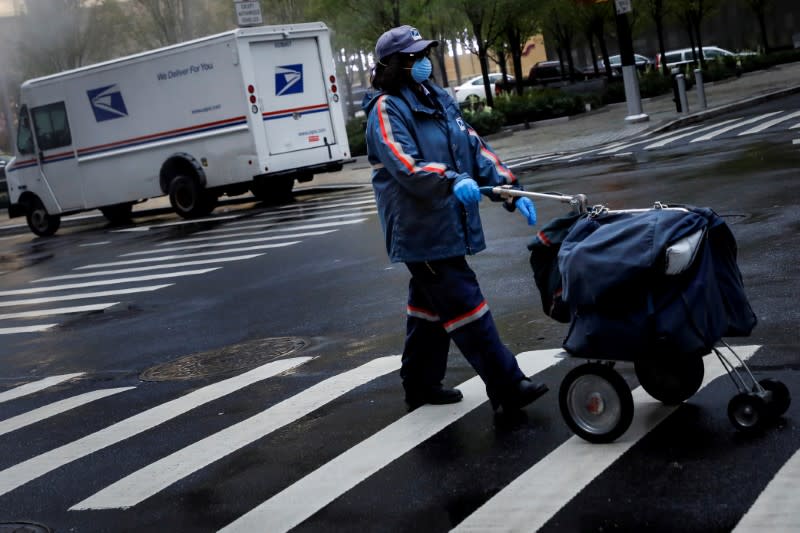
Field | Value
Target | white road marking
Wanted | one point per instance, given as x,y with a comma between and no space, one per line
769,124
26,329
147,268
36,386
720,131
100,243
157,476
58,311
26,471
532,160
657,137
264,223
776,509
276,229
42,413
328,206
673,138
186,256
299,501
529,501
240,241
796,141
81,296
34,290
179,223
581,154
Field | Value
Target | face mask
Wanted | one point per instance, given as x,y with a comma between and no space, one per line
421,69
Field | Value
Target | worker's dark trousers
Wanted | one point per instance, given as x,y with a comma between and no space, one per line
445,302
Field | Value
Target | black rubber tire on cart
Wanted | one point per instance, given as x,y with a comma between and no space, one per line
40,221
189,199
781,399
670,380
596,402
118,214
747,412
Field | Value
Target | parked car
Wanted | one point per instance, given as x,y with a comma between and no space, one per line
642,64
549,73
4,159
473,90
676,59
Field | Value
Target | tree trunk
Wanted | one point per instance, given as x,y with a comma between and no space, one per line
762,24
661,47
456,61
515,46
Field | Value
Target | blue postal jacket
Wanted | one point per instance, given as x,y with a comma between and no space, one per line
418,153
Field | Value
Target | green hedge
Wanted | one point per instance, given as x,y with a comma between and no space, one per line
538,104
356,137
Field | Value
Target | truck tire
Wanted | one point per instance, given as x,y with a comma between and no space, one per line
189,199
118,214
40,221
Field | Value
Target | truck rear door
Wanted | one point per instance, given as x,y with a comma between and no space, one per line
293,91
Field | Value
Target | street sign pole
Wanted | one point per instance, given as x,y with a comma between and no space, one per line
629,75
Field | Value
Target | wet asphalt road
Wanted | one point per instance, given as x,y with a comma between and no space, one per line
337,297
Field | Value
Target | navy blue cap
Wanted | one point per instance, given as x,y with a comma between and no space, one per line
403,39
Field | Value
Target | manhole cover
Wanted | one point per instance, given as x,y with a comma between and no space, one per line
23,527
242,356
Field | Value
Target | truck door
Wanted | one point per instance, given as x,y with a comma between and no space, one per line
294,94
55,156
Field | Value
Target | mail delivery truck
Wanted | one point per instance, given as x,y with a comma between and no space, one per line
252,109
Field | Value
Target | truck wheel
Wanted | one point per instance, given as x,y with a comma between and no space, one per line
118,214
40,221
189,199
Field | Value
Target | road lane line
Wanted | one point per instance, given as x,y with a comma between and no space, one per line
267,223
178,223
651,139
147,268
534,497
36,386
26,471
231,243
776,508
187,256
536,159
26,329
581,154
299,501
34,290
328,206
81,296
55,408
262,232
769,124
720,131
58,311
159,475
666,141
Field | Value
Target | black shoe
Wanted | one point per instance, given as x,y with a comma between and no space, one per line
523,393
438,396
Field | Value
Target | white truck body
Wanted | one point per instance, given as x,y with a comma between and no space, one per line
252,108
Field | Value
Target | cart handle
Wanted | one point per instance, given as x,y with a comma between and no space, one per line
506,192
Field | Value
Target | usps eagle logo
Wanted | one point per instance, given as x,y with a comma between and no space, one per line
288,79
107,103
415,34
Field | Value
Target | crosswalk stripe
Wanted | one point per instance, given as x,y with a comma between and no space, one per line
266,223
231,243
36,386
26,329
157,476
666,141
81,296
776,509
26,471
340,204
58,311
796,126
34,290
528,161
186,256
268,230
651,139
769,124
42,413
720,131
581,154
148,268
529,501
299,501
178,223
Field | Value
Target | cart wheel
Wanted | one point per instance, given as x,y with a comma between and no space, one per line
781,399
746,412
596,402
670,380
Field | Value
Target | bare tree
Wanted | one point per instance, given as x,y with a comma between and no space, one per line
761,8
657,11
487,25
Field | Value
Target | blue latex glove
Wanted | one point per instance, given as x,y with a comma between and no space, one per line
527,209
467,191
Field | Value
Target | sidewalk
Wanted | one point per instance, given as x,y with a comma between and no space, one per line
568,134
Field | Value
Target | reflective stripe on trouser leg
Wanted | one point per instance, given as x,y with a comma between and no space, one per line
449,290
